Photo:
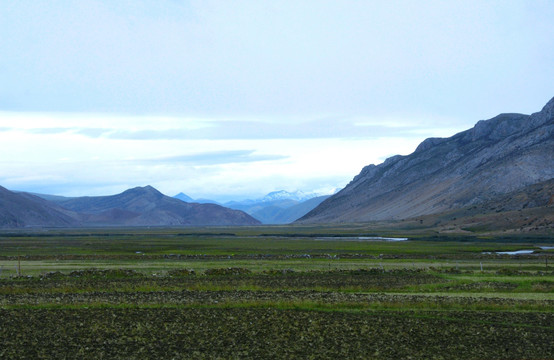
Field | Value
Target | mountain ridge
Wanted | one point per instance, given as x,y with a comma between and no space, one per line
139,206
496,156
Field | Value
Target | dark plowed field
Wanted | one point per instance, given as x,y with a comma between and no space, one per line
255,333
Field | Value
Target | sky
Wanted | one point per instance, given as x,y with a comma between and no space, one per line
230,100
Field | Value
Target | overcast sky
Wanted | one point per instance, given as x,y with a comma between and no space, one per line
234,99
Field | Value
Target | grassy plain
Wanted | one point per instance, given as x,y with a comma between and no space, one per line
273,292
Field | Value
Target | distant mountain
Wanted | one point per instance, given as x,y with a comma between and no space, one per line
206,201
19,210
274,207
279,215
141,206
45,196
285,195
496,157
252,206
183,197
146,206
279,198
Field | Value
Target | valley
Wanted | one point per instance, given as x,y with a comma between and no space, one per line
240,291
444,253
277,180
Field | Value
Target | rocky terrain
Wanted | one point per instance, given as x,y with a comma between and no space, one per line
528,210
496,157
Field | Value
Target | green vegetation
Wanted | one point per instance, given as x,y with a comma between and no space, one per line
272,292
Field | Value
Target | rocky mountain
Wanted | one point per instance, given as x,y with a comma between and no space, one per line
526,210
496,157
25,210
141,206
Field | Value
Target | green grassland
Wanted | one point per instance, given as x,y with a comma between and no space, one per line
273,292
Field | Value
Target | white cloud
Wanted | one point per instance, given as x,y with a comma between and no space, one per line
54,156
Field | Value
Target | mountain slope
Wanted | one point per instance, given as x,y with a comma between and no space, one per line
527,210
146,206
524,211
496,157
25,210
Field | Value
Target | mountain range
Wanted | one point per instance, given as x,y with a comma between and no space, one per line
277,207
140,206
498,175
504,155
285,212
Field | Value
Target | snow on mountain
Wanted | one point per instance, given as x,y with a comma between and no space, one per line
285,195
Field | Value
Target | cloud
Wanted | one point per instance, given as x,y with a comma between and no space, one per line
49,131
262,129
216,158
93,132
336,128
151,128
71,165
150,134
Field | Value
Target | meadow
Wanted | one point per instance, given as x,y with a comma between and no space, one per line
273,292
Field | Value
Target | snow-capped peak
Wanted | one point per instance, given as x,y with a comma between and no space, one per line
285,195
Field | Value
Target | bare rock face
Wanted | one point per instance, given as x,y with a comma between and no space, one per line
495,157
